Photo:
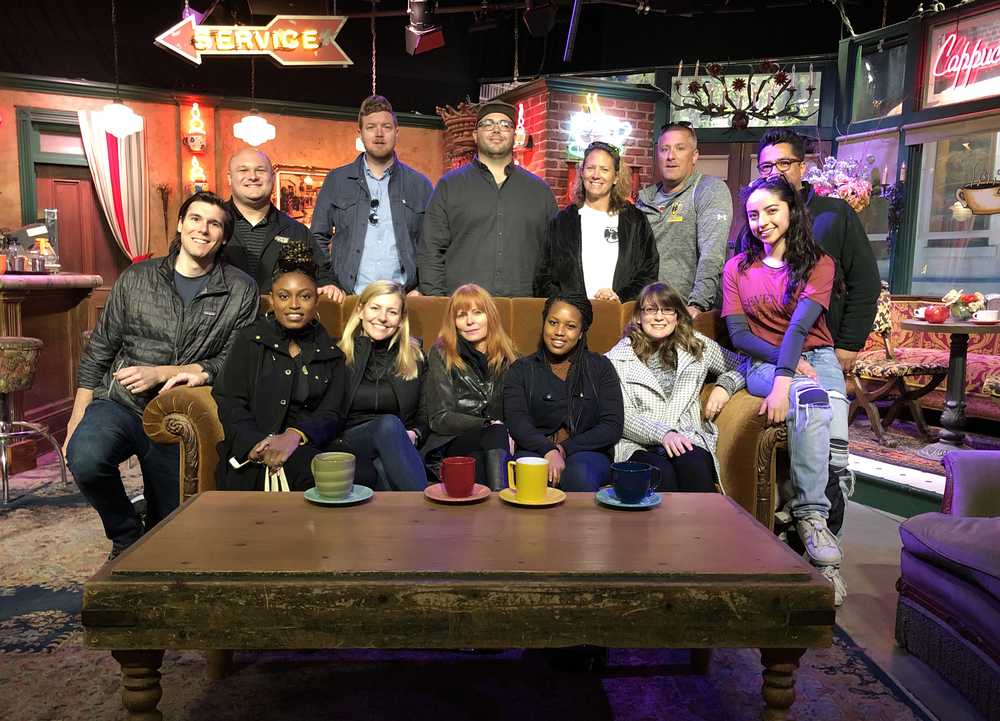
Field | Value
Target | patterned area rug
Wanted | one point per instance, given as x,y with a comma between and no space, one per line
907,441
53,542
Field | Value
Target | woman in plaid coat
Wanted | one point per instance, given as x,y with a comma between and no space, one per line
662,363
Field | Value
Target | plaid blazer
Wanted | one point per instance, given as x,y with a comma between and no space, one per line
649,414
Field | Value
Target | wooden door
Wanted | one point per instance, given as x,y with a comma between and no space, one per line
85,241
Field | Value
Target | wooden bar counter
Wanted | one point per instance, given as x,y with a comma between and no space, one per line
57,310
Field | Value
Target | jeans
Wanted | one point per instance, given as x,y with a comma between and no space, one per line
584,471
384,444
817,427
108,434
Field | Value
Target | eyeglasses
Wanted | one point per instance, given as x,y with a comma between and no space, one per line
611,235
490,123
676,124
373,216
652,311
608,148
783,165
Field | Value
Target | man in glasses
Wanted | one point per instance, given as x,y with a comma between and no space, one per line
370,212
260,230
838,230
487,220
690,214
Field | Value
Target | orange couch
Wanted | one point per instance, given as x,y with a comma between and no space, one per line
747,450
923,347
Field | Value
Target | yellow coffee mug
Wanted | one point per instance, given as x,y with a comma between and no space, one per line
529,479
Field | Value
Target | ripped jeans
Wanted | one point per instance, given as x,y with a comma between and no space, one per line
817,427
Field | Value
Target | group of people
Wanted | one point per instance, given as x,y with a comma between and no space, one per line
798,300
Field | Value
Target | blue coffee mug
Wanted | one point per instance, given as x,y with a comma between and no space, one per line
634,481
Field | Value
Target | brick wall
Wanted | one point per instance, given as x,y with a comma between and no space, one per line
546,120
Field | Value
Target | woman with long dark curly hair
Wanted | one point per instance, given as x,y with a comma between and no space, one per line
775,294
662,363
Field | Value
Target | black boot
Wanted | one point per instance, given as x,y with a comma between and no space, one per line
496,468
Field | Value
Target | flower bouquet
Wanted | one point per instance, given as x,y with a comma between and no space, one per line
963,305
845,179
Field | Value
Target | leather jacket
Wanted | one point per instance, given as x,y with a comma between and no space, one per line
459,400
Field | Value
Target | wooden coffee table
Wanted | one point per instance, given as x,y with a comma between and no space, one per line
271,571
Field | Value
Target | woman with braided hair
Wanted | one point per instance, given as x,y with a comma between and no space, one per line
281,391
564,403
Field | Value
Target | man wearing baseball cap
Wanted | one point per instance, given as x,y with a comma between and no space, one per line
486,221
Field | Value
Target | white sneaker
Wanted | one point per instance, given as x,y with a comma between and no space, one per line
821,545
832,574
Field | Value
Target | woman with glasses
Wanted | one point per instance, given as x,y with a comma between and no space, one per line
662,363
775,294
600,245
384,420
563,403
464,389
280,392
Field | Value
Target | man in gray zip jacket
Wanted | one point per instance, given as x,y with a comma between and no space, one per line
167,321
690,214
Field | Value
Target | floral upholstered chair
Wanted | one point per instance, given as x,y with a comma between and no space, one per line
891,373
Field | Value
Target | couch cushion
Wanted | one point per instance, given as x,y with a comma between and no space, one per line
967,547
874,364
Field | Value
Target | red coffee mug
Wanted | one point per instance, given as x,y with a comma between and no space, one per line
458,474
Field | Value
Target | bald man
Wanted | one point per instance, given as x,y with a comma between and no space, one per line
261,229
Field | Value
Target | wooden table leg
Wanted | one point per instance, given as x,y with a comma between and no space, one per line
780,665
141,690
952,436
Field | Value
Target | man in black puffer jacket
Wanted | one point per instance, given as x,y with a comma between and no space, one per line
167,321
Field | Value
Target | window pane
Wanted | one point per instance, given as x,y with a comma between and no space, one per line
878,83
880,155
952,253
60,143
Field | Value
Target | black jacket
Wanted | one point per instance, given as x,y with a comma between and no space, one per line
537,404
254,395
407,392
146,323
838,230
560,268
459,400
281,228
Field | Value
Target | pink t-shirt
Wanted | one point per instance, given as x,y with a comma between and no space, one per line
758,294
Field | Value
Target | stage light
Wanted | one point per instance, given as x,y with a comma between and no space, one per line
422,35
539,17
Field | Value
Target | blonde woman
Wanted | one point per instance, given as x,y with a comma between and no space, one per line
600,245
464,390
384,421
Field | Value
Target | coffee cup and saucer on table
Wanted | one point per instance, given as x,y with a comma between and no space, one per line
458,482
528,484
333,474
633,487
986,317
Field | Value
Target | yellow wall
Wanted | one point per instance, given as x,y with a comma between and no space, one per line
300,141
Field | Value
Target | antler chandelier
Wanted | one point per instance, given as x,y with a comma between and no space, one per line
766,93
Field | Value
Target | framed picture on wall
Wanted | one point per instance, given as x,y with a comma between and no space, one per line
295,190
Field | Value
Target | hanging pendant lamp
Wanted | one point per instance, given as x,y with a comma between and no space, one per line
119,119
253,129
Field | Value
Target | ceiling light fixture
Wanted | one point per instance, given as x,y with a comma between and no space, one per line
253,129
422,35
119,119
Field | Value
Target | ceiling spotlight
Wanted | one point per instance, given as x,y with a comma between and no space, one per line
422,35
539,17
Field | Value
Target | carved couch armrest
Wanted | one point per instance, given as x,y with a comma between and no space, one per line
188,416
747,451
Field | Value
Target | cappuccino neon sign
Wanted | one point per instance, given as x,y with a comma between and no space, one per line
963,64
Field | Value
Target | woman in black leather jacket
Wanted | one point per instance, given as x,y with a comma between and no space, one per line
384,419
280,392
464,389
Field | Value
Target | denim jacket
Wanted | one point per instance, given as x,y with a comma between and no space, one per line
340,218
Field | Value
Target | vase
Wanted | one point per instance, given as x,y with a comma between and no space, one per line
960,311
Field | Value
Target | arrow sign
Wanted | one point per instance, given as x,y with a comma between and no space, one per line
288,39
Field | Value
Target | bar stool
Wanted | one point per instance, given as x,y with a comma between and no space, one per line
18,363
